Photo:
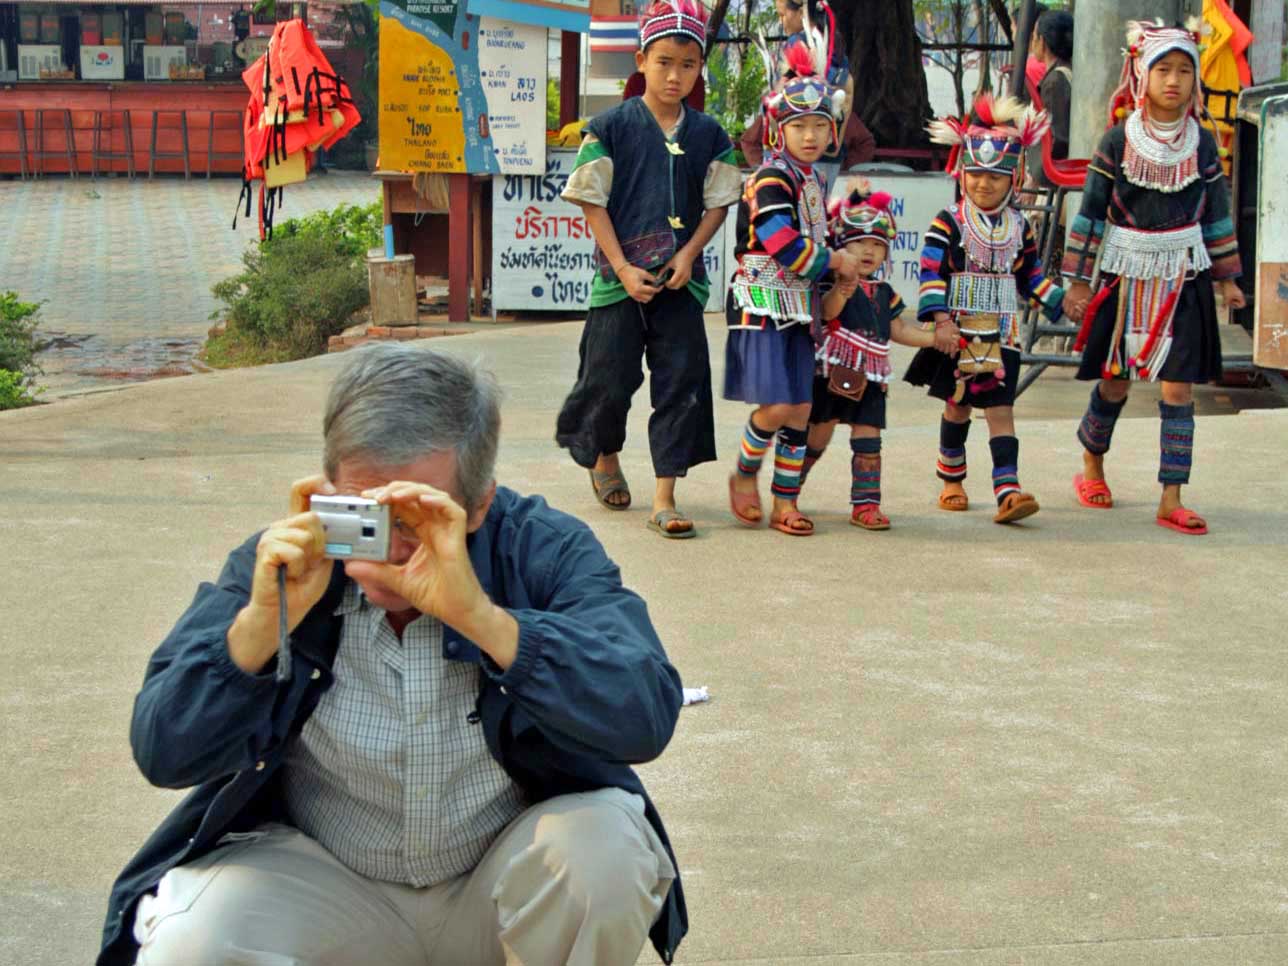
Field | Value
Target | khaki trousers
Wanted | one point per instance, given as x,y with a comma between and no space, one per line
577,879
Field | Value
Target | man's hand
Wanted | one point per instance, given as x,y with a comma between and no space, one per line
439,578
298,544
639,284
1231,294
683,265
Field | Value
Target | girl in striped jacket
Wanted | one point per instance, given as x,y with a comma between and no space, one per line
773,302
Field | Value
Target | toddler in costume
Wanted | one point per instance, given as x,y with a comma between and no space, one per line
979,259
853,372
654,180
1153,239
773,302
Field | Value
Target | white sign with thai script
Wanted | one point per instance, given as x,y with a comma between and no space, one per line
917,198
543,250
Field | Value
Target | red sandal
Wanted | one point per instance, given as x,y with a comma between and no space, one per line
1086,489
740,503
1180,520
869,517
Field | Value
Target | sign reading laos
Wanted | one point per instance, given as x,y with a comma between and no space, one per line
460,93
543,250
572,15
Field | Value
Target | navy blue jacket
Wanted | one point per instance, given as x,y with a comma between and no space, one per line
590,693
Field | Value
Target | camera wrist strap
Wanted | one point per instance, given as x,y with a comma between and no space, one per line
283,633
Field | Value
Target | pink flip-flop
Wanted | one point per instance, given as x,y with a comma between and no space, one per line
740,503
1179,519
1086,489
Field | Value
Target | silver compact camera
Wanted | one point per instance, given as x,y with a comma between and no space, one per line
356,528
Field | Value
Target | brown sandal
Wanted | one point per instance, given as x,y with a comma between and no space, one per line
784,523
956,502
1015,507
610,484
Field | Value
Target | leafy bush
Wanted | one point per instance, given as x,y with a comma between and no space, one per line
352,228
18,347
735,86
298,288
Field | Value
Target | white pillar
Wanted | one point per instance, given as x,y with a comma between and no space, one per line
1265,56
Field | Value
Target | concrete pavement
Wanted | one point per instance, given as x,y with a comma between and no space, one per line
1061,743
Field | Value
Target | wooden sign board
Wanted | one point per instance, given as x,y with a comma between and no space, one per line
459,93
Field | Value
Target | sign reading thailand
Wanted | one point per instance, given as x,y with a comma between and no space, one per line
460,93
543,250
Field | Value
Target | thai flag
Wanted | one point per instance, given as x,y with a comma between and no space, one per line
621,34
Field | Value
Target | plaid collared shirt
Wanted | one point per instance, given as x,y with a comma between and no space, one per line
389,774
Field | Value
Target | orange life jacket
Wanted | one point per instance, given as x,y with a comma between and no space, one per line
298,104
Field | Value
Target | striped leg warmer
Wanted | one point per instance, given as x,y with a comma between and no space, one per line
1006,462
789,457
952,451
751,452
1096,430
865,471
1176,442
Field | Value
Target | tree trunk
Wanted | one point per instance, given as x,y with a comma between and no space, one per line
890,93
716,21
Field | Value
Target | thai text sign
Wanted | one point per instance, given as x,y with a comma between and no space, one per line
543,250
917,198
460,93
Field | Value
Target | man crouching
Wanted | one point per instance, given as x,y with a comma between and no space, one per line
443,777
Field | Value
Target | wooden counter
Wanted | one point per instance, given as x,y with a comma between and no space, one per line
197,99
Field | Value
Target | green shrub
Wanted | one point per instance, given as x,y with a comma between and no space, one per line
18,347
14,390
352,228
294,293
297,288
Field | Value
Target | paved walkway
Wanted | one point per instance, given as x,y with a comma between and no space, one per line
125,267
953,744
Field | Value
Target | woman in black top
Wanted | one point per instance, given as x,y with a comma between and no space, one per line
1053,44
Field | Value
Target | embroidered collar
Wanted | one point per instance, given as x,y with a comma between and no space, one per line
991,240
1162,165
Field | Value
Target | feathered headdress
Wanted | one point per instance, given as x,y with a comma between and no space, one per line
1147,44
803,93
673,18
819,40
994,139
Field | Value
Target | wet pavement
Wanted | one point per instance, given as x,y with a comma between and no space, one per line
124,268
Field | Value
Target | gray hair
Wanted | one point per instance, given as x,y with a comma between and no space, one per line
394,403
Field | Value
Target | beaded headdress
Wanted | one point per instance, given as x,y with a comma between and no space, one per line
994,139
1147,44
673,18
863,214
804,93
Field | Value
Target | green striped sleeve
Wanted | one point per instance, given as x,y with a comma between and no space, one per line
592,149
